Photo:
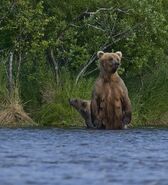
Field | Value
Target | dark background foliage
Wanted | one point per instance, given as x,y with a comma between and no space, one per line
54,46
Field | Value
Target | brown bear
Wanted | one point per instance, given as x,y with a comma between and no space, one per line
83,107
110,104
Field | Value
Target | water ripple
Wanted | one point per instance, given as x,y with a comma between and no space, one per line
75,156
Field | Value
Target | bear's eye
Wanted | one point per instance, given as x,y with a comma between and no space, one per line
118,60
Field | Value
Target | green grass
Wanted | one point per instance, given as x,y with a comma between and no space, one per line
3,89
56,110
150,101
12,113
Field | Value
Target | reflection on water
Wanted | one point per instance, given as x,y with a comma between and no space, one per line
70,157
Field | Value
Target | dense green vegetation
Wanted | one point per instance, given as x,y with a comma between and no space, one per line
48,55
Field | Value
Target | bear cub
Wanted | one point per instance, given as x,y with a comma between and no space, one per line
83,107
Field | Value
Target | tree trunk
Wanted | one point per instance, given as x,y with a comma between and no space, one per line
53,63
18,69
10,74
55,66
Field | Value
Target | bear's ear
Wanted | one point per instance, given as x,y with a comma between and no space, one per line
119,54
100,54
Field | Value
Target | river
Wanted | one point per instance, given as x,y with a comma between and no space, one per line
83,157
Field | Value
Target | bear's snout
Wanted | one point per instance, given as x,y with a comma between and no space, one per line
70,101
73,102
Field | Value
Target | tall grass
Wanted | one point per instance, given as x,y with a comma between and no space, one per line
12,113
150,101
56,110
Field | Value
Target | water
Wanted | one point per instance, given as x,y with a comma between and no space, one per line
83,157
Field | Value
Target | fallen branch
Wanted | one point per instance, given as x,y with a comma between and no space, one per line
90,72
87,14
105,47
95,27
92,59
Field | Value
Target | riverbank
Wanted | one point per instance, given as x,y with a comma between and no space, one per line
149,97
47,46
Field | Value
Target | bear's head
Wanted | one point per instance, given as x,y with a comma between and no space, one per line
82,106
79,105
109,62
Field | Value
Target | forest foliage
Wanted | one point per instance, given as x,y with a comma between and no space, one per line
48,54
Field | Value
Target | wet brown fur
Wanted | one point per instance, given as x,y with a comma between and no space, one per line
110,104
83,107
